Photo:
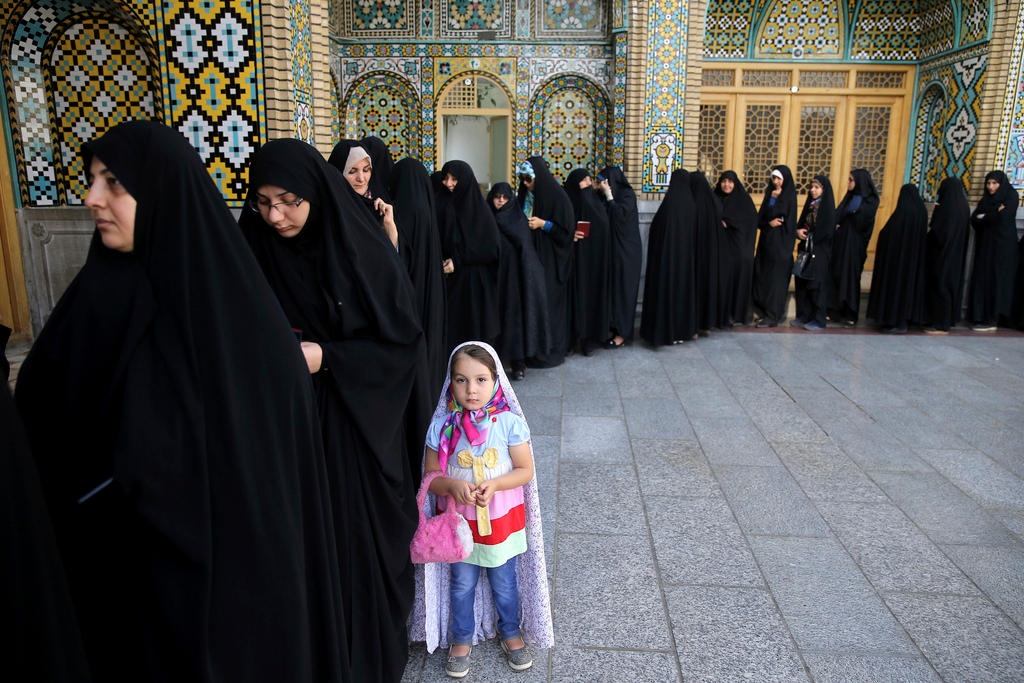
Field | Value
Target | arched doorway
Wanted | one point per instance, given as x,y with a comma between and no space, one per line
474,123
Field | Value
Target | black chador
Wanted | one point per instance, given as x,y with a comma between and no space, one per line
383,166
174,428
469,237
670,292
736,257
589,303
990,294
774,260
548,202
945,247
707,246
627,253
343,286
818,218
525,330
419,244
855,217
898,280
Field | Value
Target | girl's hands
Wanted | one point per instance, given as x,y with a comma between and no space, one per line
462,491
484,492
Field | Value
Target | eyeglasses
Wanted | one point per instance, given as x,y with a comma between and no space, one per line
264,206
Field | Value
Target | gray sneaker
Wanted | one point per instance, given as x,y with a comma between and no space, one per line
518,660
457,667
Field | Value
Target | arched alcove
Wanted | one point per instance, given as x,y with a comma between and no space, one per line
385,105
569,125
474,121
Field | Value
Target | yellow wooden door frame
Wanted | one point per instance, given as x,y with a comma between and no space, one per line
441,111
14,311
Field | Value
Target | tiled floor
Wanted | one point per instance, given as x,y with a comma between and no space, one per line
833,507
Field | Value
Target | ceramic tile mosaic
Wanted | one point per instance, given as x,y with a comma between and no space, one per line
1011,128
811,30
302,70
663,132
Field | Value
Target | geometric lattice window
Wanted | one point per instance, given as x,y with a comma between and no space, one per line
817,136
761,142
99,77
711,141
475,92
766,78
718,77
569,136
871,140
824,79
880,79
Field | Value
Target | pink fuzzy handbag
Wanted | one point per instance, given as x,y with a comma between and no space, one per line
444,538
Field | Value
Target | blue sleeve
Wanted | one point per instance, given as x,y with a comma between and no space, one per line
854,204
434,433
547,226
518,431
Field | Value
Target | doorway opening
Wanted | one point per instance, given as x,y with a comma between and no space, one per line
474,124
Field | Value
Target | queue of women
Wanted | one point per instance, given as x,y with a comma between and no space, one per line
220,429
704,272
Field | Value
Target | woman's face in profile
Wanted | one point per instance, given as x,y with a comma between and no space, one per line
282,210
727,185
112,206
359,176
851,184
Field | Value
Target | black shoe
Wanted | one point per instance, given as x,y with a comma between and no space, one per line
610,344
894,330
765,322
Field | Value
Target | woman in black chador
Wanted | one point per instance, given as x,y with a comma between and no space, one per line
525,330
345,291
773,263
383,166
627,254
171,417
945,247
707,245
736,258
552,224
990,294
855,218
670,291
469,238
898,281
815,229
589,302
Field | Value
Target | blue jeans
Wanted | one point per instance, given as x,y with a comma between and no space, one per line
504,592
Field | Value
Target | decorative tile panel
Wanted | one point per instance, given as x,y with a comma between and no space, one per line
938,30
373,18
597,70
973,21
886,30
667,41
800,29
467,18
302,70
1010,151
619,100
569,125
727,29
568,19
384,105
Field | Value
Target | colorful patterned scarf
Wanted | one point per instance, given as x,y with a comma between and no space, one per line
473,422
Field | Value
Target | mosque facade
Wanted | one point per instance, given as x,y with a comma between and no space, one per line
912,90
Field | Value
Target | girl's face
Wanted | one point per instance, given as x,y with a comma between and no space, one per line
991,185
113,208
282,210
499,201
851,184
727,185
472,383
816,189
359,176
450,182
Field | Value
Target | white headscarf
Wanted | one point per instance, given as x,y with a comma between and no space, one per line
355,155
432,610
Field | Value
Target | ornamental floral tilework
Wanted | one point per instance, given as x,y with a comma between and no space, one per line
885,30
466,18
569,125
937,28
567,19
809,29
727,28
1011,130
202,70
384,105
666,50
375,18
302,70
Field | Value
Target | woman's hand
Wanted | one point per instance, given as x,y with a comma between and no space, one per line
462,491
801,233
314,354
536,222
447,266
577,236
388,212
775,222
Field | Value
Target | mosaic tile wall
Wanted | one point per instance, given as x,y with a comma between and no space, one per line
811,29
1010,150
667,23
204,64
302,70
569,125
385,105
727,29
960,76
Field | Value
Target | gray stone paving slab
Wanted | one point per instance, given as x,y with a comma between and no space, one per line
606,593
649,384
540,382
714,400
572,664
914,428
487,663
697,541
599,499
826,406
733,441
726,634
997,571
839,668
941,510
592,399
864,390
824,472
875,449
964,638
673,468
543,414
1005,446
597,368
980,477
653,418
1013,521
825,599
546,451
595,439
766,500
891,551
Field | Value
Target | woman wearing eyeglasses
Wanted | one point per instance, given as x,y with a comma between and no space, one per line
345,291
